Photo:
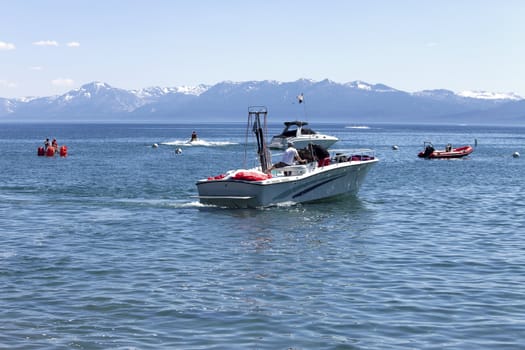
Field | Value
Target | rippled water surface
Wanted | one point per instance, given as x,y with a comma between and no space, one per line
109,249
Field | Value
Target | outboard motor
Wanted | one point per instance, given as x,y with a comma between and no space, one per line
428,151
320,152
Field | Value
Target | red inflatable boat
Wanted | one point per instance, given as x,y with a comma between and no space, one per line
431,153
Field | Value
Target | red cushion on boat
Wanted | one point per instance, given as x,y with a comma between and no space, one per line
251,176
323,162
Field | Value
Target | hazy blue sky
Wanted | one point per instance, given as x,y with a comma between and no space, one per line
49,47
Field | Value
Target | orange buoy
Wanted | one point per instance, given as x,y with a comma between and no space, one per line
50,152
41,151
63,151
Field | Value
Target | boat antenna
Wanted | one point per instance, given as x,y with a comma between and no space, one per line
260,129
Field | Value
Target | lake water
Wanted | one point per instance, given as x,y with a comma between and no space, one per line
109,248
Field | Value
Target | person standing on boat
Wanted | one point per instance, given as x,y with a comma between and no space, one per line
54,144
193,136
289,157
46,144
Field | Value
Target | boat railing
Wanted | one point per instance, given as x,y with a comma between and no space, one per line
336,156
352,152
361,154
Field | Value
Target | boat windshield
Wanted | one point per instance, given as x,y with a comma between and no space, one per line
290,131
307,131
296,128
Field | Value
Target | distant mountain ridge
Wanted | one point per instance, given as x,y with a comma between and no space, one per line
324,100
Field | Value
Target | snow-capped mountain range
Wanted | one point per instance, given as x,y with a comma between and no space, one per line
325,100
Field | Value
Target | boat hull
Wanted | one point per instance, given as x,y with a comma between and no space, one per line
329,181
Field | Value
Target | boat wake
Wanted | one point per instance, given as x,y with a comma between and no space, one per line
194,204
357,127
158,203
201,143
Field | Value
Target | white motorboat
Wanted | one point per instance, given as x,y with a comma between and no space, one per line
300,136
342,173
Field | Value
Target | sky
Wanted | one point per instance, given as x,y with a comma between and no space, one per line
53,46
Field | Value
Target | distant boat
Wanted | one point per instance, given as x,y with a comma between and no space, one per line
429,152
296,133
321,178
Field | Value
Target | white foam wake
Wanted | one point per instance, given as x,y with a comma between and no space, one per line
201,143
357,127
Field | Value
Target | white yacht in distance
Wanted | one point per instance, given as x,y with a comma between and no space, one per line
300,136
341,173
